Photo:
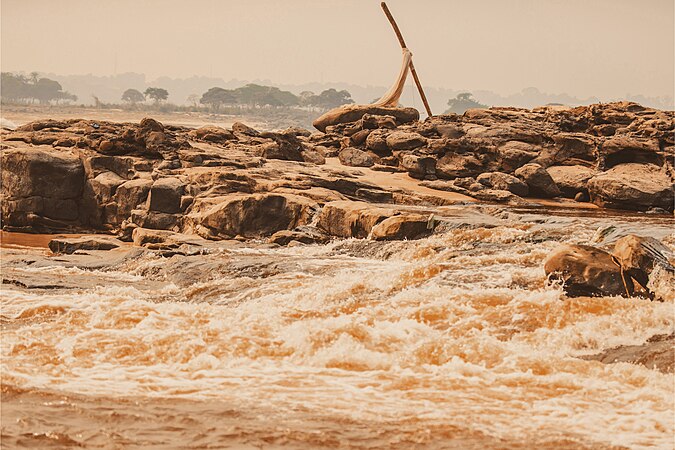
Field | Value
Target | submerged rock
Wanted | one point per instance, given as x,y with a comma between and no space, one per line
658,353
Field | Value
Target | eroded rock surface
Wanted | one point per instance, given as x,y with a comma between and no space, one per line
218,183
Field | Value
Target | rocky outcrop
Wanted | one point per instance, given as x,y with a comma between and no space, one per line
84,175
556,151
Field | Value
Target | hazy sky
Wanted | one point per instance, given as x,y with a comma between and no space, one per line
604,48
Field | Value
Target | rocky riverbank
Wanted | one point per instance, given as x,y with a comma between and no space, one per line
222,183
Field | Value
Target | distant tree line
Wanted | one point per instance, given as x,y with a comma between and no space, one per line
257,96
17,88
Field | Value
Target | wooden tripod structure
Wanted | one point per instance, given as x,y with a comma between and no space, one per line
411,66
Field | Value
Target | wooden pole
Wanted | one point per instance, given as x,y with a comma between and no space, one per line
412,67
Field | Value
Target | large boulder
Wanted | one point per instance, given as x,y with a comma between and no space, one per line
405,226
40,184
538,181
418,166
632,186
250,215
377,141
351,219
165,195
585,271
353,113
571,179
130,194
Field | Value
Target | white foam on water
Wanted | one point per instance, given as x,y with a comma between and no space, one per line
457,329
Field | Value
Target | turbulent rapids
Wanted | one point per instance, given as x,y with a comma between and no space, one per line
451,341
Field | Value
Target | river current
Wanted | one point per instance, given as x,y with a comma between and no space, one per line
452,341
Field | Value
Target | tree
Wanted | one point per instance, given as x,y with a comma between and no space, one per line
66,96
133,96
462,102
331,98
216,96
157,94
257,95
46,90
20,88
14,87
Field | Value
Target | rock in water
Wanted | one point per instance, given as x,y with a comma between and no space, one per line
585,270
638,256
657,353
406,226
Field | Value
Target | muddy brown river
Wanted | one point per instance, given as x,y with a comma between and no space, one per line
452,341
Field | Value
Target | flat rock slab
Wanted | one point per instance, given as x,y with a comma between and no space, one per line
71,245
